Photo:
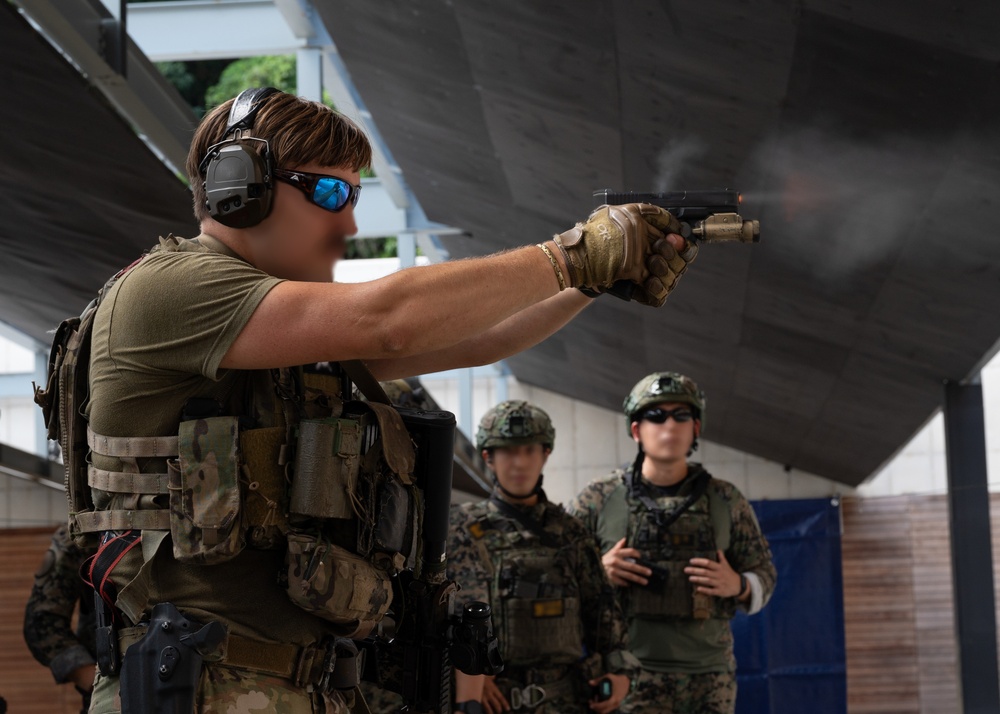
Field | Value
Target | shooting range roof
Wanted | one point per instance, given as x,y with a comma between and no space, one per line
863,138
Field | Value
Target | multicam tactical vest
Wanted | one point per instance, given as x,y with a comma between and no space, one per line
533,590
331,482
698,531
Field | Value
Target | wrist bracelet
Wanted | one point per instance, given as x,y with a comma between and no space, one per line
555,265
470,706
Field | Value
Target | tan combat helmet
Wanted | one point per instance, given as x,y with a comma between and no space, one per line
661,387
513,423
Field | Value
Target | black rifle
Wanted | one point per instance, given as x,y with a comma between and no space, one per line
708,216
425,633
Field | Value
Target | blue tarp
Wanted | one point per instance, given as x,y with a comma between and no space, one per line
790,657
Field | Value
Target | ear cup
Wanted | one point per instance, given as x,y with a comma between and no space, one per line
238,186
238,179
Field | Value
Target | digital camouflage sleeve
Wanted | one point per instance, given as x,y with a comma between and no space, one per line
48,615
748,550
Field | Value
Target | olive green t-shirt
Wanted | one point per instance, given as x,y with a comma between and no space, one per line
159,336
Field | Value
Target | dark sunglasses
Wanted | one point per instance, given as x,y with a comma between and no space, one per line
659,416
327,192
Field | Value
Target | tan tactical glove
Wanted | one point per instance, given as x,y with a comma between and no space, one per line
627,243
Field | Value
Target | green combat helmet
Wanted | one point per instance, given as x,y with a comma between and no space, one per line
661,387
513,423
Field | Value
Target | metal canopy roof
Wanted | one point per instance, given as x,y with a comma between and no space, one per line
81,195
862,137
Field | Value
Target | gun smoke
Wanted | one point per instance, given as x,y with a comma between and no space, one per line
837,207
672,159
831,206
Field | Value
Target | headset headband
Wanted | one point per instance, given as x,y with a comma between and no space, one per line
238,180
245,107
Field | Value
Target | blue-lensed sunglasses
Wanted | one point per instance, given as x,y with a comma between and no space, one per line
659,415
327,192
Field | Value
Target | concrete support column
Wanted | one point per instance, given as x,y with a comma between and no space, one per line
406,249
309,73
465,416
971,551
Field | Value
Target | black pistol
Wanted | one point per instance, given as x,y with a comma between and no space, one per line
710,216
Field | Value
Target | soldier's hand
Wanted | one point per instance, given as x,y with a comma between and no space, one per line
619,563
494,702
713,577
83,677
667,262
620,684
625,243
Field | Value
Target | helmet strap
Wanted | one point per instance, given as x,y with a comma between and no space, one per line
636,477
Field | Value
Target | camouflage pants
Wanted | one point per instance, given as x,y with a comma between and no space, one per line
709,693
381,701
226,690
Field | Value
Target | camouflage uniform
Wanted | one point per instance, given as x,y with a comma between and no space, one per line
170,361
687,659
554,612
485,547
48,615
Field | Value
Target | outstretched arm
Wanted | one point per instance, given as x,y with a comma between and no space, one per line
408,313
435,308
515,334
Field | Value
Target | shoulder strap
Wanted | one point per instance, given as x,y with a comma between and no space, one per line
699,485
531,524
360,374
721,520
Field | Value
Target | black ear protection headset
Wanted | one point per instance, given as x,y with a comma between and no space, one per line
239,181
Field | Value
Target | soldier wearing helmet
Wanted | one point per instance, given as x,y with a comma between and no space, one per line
561,633
683,550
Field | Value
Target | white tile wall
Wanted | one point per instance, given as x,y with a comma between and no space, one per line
15,358
26,504
17,422
592,441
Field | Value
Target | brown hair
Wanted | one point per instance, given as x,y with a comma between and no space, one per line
298,130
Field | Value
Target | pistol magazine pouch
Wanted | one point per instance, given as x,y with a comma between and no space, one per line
205,491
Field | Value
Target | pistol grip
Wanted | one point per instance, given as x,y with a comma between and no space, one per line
623,290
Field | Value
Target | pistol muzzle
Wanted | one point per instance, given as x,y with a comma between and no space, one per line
727,227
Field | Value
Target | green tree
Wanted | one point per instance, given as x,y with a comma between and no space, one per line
266,71
192,79
371,248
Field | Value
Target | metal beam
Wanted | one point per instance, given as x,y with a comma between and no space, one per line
222,29
158,113
35,468
971,551
213,29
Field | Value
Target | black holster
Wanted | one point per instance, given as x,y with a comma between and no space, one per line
160,672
